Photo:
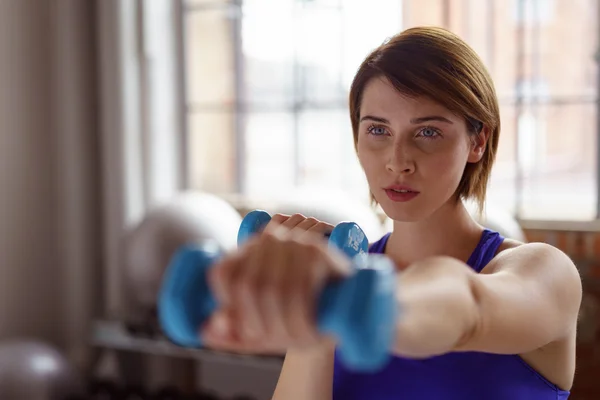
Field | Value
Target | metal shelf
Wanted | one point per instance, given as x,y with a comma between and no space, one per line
114,335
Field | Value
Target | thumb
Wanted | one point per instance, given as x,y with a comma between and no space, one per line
217,329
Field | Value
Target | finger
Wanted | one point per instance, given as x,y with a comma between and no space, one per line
322,228
220,275
299,311
275,225
339,264
217,330
249,285
305,225
282,224
280,218
217,337
293,221
273,295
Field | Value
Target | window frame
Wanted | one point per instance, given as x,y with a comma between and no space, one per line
592,224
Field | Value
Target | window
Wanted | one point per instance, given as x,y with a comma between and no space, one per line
268,84
533,11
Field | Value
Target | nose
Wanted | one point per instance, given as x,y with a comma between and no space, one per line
400,160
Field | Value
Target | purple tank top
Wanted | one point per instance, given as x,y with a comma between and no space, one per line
452,376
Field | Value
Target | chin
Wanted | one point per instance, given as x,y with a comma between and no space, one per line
412,211
404,212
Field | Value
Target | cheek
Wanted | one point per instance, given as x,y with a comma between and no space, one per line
368,162
447,167
365,157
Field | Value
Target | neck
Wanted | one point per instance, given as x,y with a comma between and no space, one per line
450,231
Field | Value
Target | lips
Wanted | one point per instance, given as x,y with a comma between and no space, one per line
401,189
400,194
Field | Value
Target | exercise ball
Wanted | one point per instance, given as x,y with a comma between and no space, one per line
188,218
329,205
36,371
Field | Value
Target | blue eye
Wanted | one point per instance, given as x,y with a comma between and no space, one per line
376,130
429,133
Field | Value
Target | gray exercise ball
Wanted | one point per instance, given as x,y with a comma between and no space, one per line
188,218
36,371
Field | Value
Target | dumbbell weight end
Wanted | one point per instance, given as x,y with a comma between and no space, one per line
359,310
185,299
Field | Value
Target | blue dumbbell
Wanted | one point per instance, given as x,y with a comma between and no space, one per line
359,310
346,236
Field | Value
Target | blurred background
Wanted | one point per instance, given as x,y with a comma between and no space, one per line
128,127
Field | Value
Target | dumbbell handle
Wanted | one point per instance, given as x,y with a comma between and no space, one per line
347,237
358,310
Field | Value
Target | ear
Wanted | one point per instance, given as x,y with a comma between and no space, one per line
478,145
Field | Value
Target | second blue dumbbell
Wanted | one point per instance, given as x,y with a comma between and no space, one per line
346,236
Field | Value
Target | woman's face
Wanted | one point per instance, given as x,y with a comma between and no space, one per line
413,151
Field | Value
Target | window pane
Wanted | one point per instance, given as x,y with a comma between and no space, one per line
268,54
319,55
538,57
298,58
327,155
211,151
558,137
365,28
270,166
210,58
557,157
502,187
563,51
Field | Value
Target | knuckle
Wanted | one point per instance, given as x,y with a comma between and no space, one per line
297,217
279,217
270,237
268,234
324,227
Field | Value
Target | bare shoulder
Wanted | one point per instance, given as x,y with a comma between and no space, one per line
542,268
514,254
549,270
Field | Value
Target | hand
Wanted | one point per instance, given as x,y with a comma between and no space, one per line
267,291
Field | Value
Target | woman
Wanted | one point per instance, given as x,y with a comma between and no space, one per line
484,318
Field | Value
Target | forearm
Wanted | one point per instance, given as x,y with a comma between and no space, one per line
438,307
306,374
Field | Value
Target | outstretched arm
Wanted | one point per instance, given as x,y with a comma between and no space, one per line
525,298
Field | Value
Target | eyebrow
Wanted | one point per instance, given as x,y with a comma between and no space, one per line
419,120
430,118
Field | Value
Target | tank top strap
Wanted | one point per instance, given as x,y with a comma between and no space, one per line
486,250
379,246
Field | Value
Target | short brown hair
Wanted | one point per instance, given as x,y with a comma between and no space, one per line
436,63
